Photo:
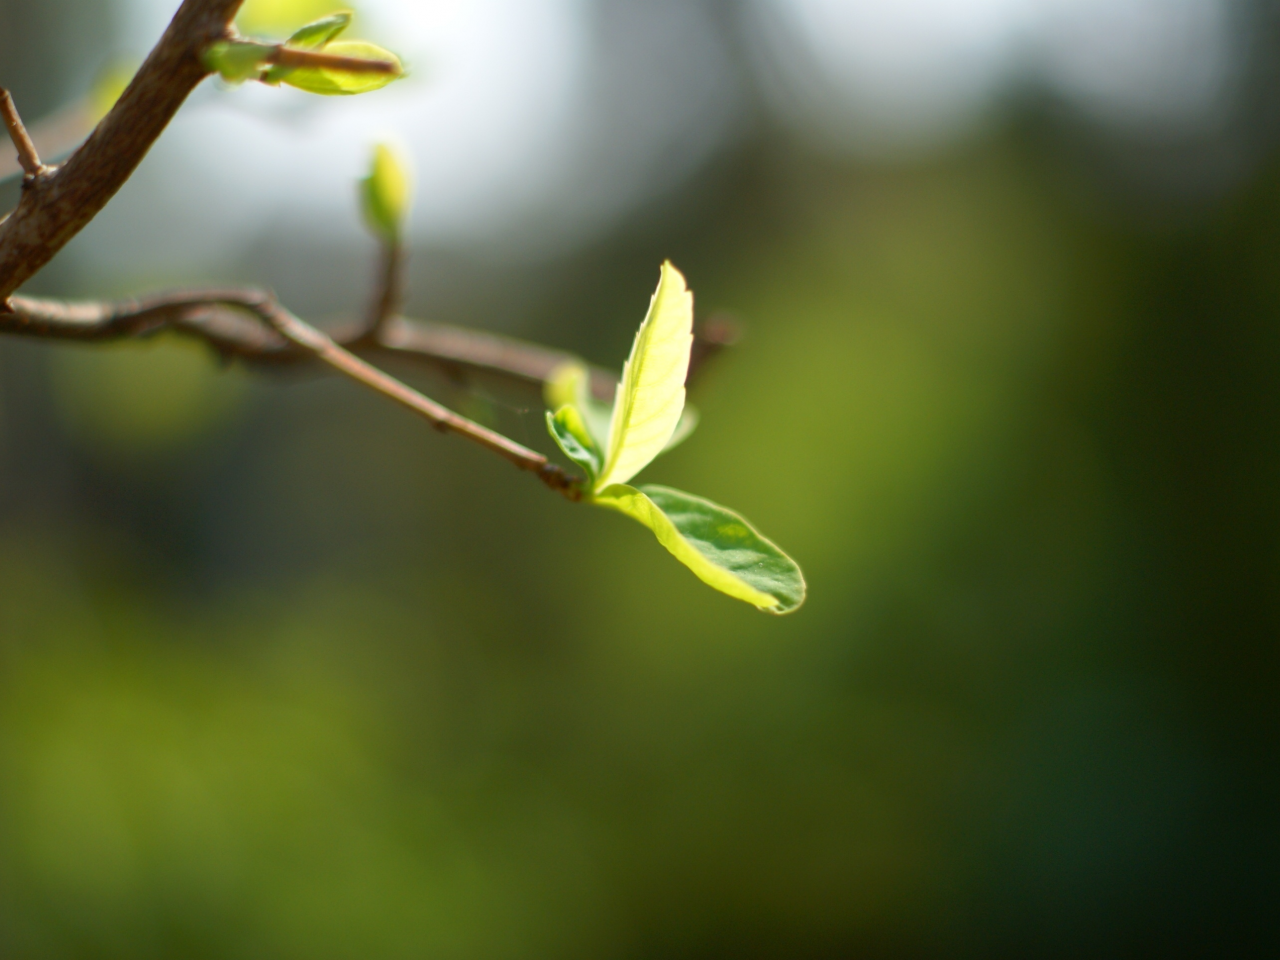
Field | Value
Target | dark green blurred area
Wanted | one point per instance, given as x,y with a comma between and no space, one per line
286,674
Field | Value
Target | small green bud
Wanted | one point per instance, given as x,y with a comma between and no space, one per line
237,60
385,194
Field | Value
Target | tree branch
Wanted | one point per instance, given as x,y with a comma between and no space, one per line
59,203
226,320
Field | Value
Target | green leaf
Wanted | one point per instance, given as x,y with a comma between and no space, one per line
571,435
311,37
650,397
237,60
337,83
718,545
384,193
570,383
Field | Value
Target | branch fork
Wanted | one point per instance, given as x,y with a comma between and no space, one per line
58,202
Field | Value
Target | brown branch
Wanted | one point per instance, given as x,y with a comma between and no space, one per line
224,319
60,203
220,318
229,321
27,154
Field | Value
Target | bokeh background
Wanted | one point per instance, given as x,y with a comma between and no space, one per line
286,674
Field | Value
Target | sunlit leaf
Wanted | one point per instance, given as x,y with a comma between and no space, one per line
333,83
718,545
650,397
571,435
385,193
238,60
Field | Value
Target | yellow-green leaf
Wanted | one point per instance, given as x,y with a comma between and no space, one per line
650,397
385,193
335,83
718,545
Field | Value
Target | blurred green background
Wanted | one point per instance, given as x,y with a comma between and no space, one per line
286,674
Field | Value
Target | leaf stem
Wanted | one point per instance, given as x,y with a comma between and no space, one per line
294,58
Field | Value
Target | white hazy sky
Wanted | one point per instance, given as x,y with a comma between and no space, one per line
536,123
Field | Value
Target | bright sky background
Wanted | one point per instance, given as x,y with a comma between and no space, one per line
535,124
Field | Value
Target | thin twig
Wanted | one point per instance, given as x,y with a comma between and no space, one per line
27,154
55,135
442,418
453,347
297,59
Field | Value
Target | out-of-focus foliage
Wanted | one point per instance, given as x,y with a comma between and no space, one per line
280,18
141,399
111,83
